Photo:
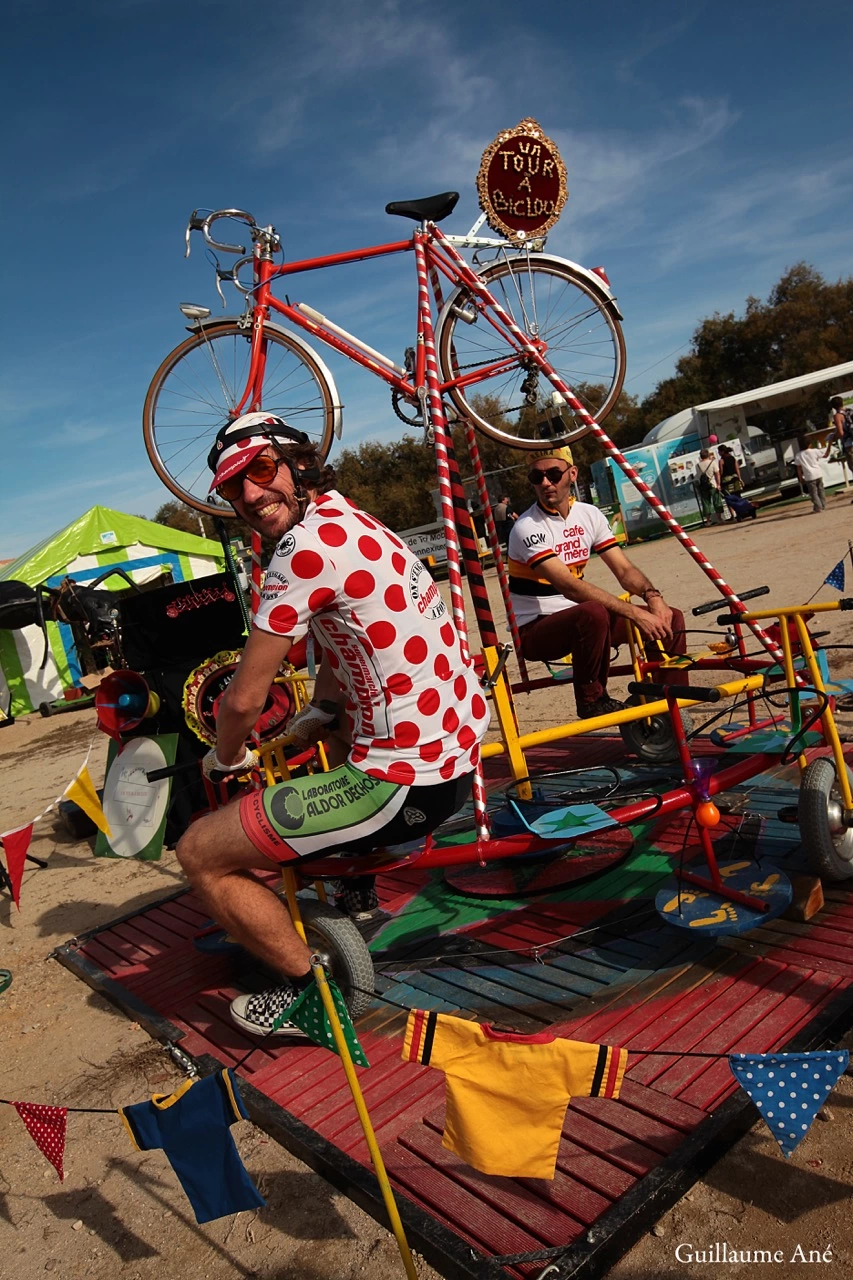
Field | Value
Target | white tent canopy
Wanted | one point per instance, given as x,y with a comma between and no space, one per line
688,422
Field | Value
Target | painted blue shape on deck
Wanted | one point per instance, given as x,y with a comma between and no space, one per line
689,907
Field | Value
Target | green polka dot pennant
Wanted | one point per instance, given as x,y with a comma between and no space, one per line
309,1015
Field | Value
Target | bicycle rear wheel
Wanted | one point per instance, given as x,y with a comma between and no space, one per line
198,386
575,326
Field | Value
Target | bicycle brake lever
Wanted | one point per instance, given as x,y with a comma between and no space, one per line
195,224
222,274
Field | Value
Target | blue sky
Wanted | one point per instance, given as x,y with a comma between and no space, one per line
707,148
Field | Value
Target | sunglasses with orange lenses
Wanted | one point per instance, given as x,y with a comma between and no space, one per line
260,471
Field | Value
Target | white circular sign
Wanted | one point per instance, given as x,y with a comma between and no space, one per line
134,807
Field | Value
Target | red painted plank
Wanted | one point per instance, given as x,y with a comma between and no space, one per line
719,1026
422,1093
632,1156
546,1208
653,1133
488,1230
671,1111
113,961
787,1020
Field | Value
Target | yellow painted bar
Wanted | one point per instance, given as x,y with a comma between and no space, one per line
792,681
830,732
508,724
288,879
729,690
364,1118
787,611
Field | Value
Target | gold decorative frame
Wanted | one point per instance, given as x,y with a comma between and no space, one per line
528,128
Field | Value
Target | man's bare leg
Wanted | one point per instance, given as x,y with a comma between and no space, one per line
217,855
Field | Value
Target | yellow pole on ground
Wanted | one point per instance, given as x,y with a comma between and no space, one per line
507,722
791,682
830,730
364,1117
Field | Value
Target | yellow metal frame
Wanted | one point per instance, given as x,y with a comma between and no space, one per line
513,744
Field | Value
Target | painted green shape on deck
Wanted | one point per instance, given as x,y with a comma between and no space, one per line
437,909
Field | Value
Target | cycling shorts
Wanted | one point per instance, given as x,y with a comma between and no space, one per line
344,811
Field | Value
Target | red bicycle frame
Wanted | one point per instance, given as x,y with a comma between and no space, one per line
445,259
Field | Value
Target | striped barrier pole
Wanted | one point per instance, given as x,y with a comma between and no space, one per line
433,412
255,601
485,503
503,577
472,281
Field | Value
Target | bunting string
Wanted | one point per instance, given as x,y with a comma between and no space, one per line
32,821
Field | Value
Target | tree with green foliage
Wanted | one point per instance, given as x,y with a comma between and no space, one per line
806,324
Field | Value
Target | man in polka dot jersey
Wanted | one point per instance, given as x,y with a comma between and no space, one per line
393,675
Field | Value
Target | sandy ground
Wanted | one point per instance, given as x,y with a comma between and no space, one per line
121,1212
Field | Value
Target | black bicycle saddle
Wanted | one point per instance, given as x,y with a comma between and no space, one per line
429,209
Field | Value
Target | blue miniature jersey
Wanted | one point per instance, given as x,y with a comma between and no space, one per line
192,1127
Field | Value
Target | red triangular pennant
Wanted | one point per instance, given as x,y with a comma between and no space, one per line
16,844
46,1126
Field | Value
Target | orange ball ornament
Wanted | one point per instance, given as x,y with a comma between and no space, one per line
707,814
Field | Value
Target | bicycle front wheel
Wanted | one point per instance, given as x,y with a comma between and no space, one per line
575,327
197,389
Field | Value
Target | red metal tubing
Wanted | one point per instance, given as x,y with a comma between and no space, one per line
338,259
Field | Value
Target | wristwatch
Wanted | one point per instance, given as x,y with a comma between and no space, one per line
651,591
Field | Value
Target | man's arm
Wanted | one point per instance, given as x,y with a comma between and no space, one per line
654,623
632,579
245,696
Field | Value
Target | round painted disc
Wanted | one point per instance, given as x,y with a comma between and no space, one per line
521,878
133,806
704,911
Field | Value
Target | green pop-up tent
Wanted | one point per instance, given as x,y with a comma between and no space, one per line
82,550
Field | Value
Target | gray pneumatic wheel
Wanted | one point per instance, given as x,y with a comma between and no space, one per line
330,933
828,843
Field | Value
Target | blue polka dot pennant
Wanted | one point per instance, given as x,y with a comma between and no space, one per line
789,1088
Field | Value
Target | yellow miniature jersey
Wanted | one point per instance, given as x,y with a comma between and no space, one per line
506,1094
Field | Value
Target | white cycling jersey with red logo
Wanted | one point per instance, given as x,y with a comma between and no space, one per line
418,713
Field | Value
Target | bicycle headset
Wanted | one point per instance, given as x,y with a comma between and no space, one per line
278,433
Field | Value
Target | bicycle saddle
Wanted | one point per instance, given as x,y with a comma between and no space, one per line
429,209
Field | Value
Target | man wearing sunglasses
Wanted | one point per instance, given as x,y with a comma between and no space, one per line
392,673
556,610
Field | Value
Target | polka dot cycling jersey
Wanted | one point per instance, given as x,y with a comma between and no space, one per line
417,710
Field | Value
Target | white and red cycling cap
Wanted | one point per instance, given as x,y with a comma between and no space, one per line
238,442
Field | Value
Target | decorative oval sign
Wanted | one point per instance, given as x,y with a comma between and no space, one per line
203,690
522,183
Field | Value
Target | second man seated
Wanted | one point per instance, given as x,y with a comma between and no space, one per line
557,612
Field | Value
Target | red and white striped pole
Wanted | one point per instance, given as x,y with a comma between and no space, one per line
486,504
434,413
473,281
255,603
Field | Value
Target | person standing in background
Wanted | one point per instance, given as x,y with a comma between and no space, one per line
807,461
707,488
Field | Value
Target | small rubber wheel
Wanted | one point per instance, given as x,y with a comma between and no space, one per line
331,934
652,740
828,843
45,709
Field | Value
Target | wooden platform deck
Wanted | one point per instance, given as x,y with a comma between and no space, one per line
607,969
